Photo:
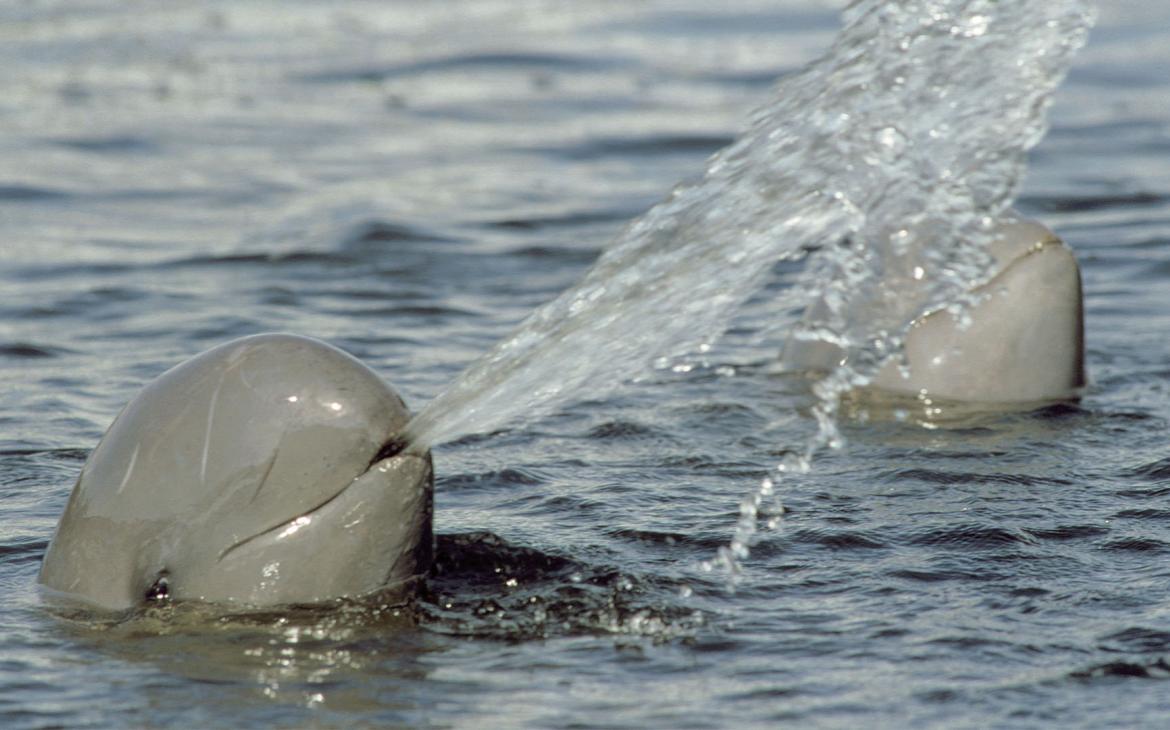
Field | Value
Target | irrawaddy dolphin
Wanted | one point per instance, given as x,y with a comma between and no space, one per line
269,471
1024,341
262,472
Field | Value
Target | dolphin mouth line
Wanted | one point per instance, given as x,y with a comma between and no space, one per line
393,448
1036,248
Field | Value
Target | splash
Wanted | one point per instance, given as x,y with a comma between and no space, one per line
889,158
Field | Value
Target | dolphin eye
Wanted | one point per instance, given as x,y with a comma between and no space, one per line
160,590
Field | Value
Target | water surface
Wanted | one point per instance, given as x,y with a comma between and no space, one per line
408,182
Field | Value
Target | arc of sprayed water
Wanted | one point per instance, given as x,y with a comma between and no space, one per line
891,155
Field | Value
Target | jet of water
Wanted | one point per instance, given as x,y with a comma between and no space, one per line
890,157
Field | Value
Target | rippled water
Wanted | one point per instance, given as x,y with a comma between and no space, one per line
408,182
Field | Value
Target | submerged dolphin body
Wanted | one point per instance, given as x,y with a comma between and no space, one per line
251,474
1024,341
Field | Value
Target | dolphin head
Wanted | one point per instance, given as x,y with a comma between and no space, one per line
1024,340
257,473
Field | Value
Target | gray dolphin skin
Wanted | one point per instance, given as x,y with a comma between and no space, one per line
260,473
1025,340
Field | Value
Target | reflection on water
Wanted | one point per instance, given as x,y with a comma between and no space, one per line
296,659
481,588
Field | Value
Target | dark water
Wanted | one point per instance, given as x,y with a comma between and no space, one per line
407,182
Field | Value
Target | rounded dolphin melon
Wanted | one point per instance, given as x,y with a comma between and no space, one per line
247,475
